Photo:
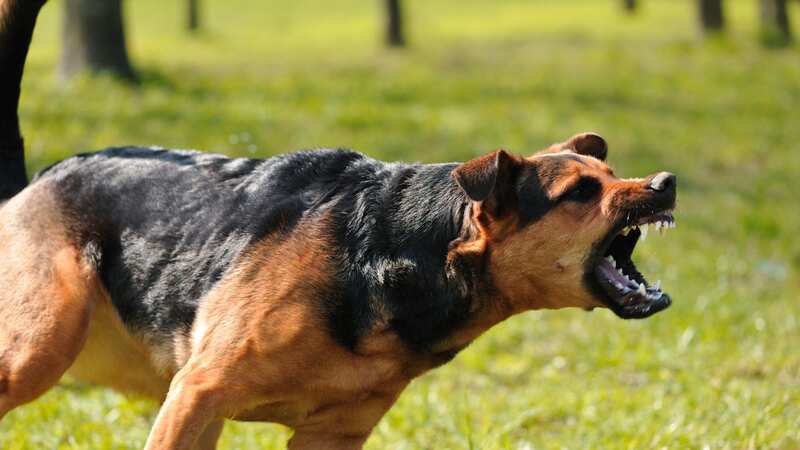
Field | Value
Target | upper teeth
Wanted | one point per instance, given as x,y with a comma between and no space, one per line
660,225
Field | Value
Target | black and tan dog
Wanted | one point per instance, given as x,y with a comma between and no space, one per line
307,289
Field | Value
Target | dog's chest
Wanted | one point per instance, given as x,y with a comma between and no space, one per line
335,387
114,358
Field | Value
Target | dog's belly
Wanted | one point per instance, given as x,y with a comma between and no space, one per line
284,412
113,358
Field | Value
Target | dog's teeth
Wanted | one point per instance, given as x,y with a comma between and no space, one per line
657,285
626,230
612,261
658,225
643,229
642,289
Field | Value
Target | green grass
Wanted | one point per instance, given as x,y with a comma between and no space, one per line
720,369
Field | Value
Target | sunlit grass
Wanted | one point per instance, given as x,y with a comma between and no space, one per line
720,368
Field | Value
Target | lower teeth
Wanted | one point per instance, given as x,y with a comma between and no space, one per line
651,292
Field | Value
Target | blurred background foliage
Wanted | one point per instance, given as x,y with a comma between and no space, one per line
718,106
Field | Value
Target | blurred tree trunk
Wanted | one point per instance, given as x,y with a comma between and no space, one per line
775,20
629,5
193,15
394,24
711,15
94,39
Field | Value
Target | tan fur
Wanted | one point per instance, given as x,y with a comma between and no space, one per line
47,298
261,351
109,347
541,266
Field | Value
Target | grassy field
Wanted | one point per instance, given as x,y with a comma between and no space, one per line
718,370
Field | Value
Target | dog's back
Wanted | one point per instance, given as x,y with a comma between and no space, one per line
166,225
163,227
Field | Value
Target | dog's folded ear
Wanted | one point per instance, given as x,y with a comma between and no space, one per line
589,144
489,178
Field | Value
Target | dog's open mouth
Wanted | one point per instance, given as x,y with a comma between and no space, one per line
628,293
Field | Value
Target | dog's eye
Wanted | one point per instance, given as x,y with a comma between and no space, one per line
584,190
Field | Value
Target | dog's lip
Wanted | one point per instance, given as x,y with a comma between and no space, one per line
617,282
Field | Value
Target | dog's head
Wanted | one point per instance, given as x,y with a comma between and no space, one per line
557,229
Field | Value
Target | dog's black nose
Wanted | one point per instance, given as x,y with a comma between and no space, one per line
664,181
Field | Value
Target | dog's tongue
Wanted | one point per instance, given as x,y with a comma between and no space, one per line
614,276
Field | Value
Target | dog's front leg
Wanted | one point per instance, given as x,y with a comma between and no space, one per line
194,402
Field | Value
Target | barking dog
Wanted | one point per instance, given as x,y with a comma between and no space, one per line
307,289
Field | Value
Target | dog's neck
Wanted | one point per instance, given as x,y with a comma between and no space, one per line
467,267
448,263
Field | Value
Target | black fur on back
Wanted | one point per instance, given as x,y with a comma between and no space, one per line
168,225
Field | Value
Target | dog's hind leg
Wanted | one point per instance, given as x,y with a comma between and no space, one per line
47,292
